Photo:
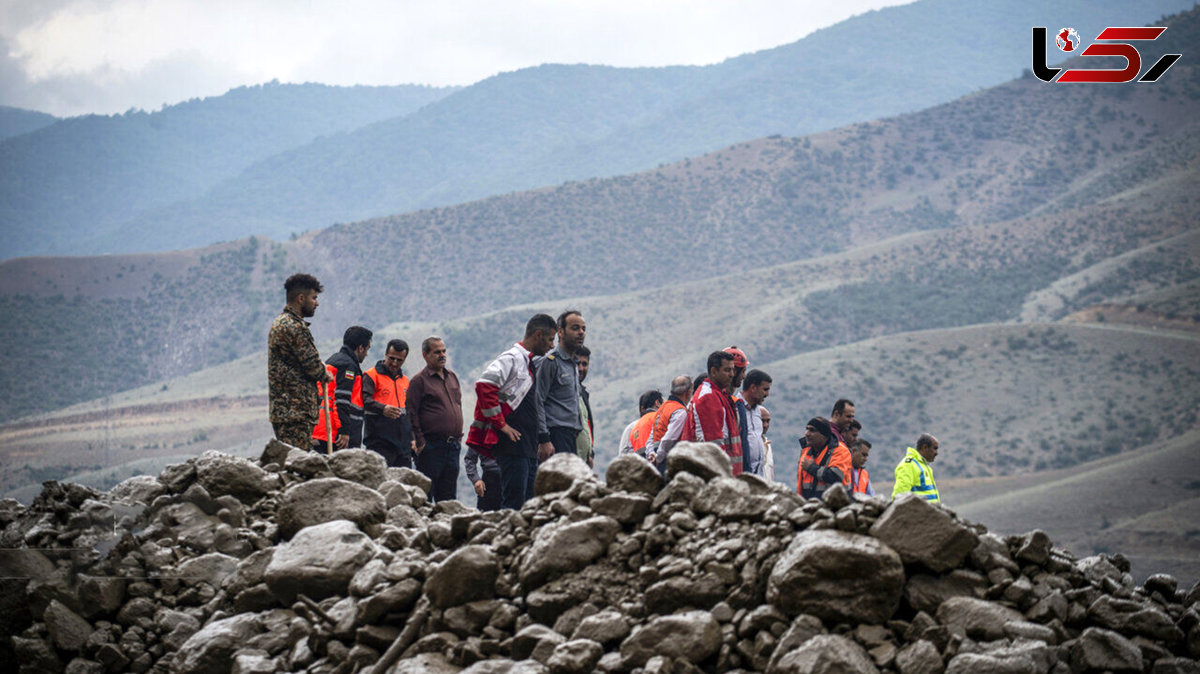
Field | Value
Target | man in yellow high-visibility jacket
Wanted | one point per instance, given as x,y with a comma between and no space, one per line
914,475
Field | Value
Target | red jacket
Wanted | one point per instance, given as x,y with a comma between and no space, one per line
327,394
501,388
711,418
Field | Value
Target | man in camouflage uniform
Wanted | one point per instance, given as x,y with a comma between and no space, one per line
293,365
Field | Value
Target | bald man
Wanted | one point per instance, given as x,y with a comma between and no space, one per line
668,423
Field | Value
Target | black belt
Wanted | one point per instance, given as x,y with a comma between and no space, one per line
442,438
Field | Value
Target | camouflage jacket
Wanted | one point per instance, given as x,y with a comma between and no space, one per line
293,369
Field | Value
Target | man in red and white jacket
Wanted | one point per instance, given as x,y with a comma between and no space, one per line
507,416
711,415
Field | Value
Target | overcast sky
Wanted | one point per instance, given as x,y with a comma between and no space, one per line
70,57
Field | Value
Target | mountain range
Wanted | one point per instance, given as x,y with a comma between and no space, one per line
107,184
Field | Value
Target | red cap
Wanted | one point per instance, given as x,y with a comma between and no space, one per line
739,357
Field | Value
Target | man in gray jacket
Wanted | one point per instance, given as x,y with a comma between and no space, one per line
557,375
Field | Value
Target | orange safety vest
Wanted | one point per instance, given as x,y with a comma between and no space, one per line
835,455
334,422
662,419
640,434
388,391
859,483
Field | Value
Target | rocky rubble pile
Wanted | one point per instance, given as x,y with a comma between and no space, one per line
302,562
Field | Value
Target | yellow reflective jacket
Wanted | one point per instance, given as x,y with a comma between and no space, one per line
914,475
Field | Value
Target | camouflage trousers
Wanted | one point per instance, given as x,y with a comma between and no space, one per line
295,433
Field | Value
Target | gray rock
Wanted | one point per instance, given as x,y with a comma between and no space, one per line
827,654
363,466
1035,548
405,516
730,499
605,627
976,618
138,489
252,661
533,638
578,656
694,636
559,472
1100,649
702,459
1096,568
919,657
275,452
837,576
319,561
622,507
1162,583
326,499
414,478
212,568
67,629
307,464
467,575
562,548
178,476
223,474
925,592
677,592
634,474
424,663
923,533
984,663
101,594
1031,631
803,628
836,497
210,650
506,666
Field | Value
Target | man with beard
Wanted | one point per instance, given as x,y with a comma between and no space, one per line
586,444
293,365
508,414
824,462
385,394
711,416
558,384
356,342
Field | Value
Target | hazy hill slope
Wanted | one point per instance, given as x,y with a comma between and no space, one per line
16,121
1154,521
548,124
987,158
79,177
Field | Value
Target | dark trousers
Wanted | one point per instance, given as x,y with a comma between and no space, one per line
439,462
395,457
564,439
516,479
295,433
492,488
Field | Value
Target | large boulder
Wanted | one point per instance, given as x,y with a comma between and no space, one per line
623,507
559,472
141,489
837,576
212,568
827,654
634,474
1100,649
926,593
976,618
223,474
563,548
703,459
210,651
924,534
465,576
66,628
325,500
694,636
359,465
730,499
319,561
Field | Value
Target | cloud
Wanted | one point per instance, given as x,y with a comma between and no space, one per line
75,56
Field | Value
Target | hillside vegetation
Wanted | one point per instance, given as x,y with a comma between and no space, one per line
80,178
926,181
15,121
95,186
